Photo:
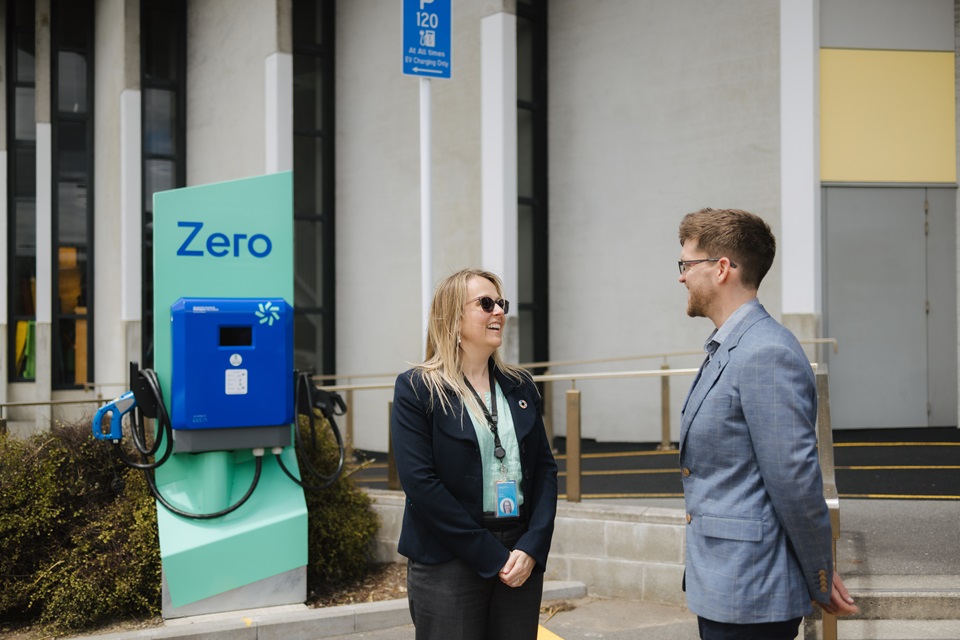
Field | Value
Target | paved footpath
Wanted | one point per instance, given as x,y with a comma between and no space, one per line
912,544
586,618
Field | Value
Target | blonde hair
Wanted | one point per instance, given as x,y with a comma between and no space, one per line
442,370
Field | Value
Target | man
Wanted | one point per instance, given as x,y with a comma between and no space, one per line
758,541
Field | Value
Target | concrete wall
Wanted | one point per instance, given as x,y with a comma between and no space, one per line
378,192
656,109
620,551
111,74
227,43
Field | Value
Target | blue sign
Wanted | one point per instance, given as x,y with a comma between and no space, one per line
426,38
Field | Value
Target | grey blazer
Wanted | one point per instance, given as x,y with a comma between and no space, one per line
758,543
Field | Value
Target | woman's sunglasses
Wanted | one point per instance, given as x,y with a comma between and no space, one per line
486,303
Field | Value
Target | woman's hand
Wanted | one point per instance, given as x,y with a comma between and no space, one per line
518,568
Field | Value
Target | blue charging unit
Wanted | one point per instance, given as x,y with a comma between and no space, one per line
232,363
232,377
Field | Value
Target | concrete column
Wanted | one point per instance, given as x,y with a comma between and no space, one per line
498,125
800,242
278,112
44,281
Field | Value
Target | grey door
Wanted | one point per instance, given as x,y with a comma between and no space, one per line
889,256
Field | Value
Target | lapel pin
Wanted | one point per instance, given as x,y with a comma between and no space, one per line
523,404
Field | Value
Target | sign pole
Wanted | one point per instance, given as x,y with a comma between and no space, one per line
426,245
426,54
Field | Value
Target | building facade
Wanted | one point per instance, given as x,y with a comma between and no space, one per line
566,146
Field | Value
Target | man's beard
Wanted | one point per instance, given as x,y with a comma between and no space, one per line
696,304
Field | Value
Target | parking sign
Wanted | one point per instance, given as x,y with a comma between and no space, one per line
426,38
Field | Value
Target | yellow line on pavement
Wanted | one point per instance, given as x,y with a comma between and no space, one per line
623,472
902,467
546,634
622,454
605,496
893,496
896,444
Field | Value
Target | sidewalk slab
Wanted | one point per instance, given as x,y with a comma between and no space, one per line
298,622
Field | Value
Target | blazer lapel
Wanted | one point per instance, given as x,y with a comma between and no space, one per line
712,369
708,377
522,419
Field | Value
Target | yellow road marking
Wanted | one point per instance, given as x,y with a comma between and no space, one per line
892,496
623,472
546,634
896,444
895,468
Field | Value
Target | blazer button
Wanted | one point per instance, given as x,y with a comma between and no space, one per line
822,573
689,518
685,472
823,589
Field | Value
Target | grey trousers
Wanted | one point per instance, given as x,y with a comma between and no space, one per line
449,601
711,630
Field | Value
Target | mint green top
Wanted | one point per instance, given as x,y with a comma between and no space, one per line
508,440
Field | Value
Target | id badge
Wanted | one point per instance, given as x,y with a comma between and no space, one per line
507,499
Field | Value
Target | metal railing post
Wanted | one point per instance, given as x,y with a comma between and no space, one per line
547,410
573,445
665,444
349,422
828,470
393,478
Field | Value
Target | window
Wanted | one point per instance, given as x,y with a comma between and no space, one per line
532,209
22,189
163,47
72,38
313,179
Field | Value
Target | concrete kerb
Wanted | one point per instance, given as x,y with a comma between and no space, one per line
298,622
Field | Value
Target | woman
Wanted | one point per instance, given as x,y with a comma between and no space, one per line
480,479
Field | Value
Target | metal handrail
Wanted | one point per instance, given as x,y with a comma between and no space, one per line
547,364
650,356
47,403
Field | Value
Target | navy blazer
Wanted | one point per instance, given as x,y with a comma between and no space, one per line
438,461
758,544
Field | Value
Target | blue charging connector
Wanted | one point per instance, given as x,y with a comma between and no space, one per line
108,421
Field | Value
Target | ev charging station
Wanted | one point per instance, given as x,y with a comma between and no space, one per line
232,524
223,265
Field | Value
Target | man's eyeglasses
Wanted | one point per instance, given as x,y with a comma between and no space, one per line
686,264
486,303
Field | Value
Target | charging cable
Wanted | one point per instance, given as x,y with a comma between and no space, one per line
328,404
147,402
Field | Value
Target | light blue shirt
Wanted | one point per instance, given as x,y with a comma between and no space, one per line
719,335
489,462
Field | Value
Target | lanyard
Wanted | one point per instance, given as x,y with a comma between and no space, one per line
498,449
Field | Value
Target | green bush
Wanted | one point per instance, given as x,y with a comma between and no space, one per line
78,532
75,552
341,522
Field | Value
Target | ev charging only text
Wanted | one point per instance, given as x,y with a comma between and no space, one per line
220,245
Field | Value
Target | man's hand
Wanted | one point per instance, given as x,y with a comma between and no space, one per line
841,604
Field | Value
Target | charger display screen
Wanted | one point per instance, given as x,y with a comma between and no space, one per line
236,336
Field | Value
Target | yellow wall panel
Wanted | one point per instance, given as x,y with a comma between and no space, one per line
887,116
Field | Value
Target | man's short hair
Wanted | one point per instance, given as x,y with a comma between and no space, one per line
741,236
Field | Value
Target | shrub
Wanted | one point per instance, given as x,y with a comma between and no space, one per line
78,532
75,552
341,522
